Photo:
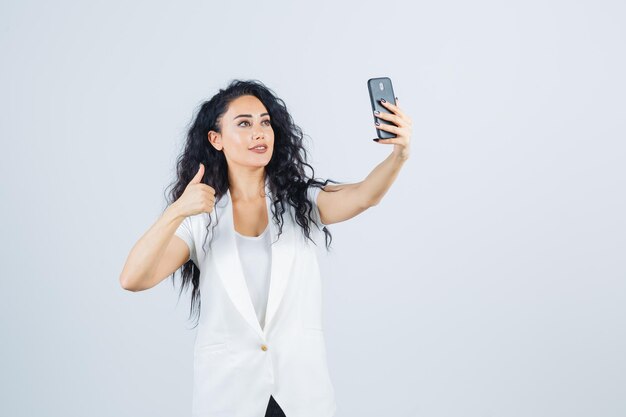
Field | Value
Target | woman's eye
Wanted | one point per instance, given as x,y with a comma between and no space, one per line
268,121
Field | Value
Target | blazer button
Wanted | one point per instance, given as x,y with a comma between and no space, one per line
264,347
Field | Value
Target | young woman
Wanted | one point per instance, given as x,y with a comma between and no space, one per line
243,221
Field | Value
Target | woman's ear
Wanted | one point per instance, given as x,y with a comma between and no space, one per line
215,139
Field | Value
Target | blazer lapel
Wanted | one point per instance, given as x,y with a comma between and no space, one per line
228,262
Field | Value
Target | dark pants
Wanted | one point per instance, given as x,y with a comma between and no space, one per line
273,409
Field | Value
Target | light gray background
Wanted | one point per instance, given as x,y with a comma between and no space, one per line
490,281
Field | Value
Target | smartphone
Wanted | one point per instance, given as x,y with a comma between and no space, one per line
381,88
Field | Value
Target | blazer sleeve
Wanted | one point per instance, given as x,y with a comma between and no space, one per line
313,192
185,232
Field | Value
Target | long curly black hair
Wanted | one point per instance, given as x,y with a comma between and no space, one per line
285,172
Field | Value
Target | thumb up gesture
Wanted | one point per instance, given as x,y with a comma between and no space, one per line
197,197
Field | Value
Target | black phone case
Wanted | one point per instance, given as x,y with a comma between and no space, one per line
378,88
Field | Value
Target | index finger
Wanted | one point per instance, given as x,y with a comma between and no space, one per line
394,107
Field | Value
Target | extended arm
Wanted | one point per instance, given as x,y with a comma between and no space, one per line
352,199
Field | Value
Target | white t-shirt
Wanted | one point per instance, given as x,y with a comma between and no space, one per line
256,261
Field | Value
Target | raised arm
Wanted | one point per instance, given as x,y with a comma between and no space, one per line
159,252
156,255
350,200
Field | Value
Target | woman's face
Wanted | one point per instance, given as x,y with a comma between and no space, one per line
245,124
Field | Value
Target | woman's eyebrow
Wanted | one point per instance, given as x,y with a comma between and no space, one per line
249,115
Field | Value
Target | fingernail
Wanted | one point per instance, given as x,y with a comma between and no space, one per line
376,140
383,100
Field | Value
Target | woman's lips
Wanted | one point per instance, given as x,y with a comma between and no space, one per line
259,150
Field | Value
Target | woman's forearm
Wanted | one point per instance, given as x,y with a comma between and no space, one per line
376,184
138,272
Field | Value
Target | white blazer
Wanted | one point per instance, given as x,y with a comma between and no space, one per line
237,364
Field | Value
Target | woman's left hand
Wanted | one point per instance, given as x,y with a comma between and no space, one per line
402,130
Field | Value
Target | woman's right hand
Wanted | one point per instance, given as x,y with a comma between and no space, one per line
197,197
